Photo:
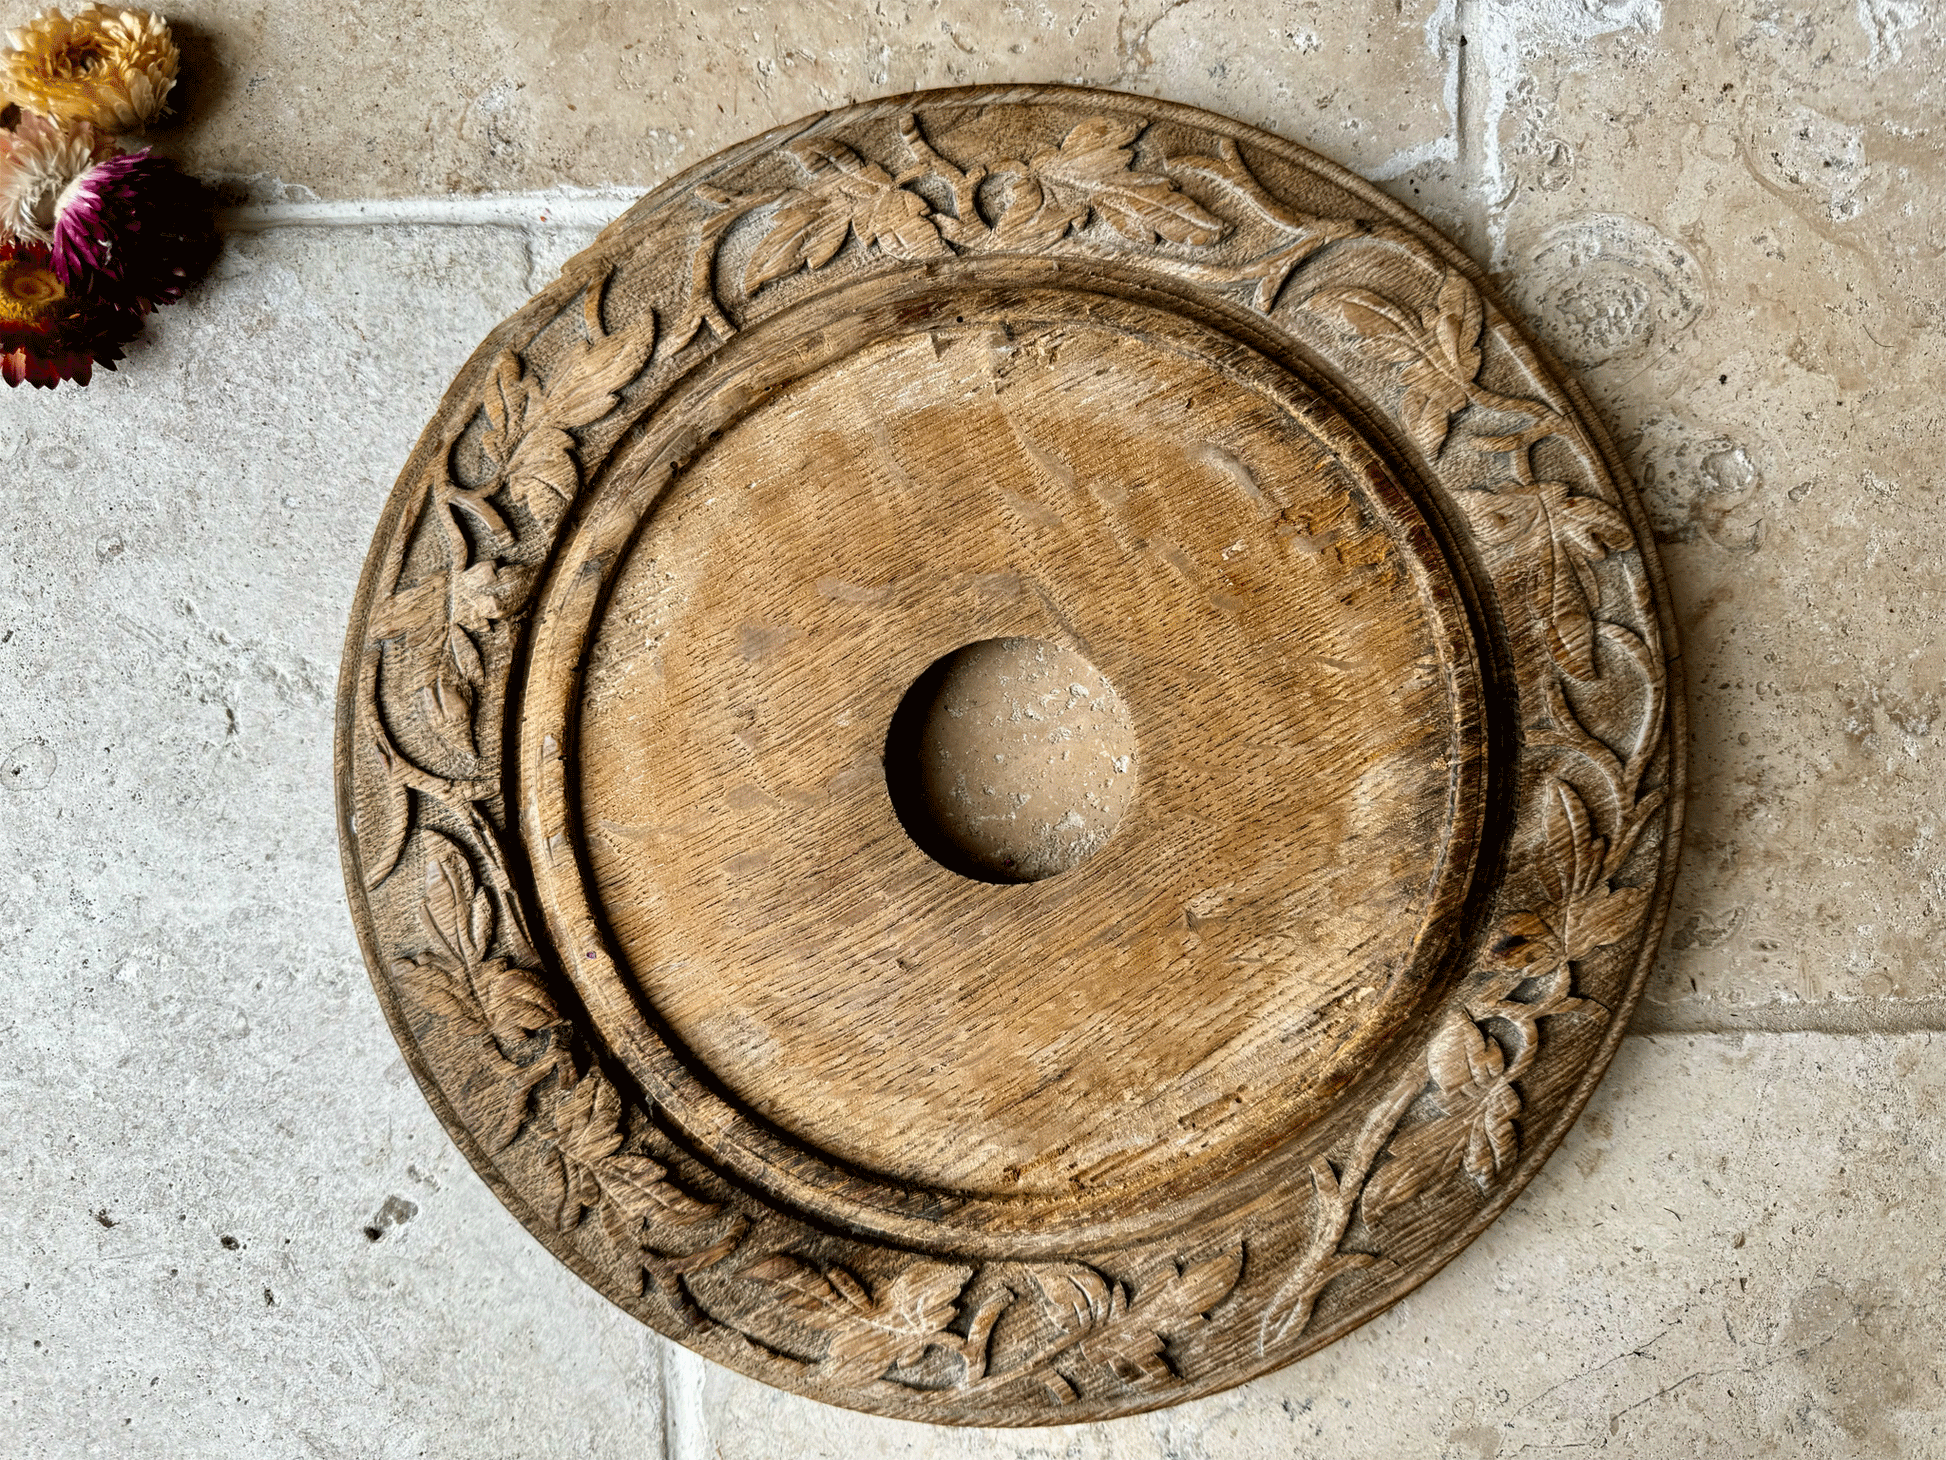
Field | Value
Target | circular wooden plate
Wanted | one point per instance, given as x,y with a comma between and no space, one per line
1013,759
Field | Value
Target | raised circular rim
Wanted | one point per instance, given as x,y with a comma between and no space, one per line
492,1032
622,503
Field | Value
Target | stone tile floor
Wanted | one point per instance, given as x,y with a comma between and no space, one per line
1727,218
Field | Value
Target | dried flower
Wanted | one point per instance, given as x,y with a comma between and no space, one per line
111,68
134,228
38,160
48,334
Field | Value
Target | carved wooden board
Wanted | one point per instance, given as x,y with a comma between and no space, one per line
1013,759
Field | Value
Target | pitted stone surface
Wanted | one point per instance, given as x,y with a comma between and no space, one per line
296,101
1702,1270
1757,314
229,1223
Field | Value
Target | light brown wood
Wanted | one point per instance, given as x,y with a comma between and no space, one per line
1012,760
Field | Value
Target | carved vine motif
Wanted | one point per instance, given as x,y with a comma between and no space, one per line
867,1334
1104,1329
490,988
1050,196
440,635
1475,1100
1555,537
520,1042
502,1005
1097,1331
500,1000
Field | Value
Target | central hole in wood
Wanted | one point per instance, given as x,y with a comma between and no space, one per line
1010,760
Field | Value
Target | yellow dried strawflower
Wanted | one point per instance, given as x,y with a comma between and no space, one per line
112,68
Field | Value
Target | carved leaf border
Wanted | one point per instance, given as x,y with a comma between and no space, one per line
545,1105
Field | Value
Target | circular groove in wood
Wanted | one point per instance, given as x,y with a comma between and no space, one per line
1352,937
1310,717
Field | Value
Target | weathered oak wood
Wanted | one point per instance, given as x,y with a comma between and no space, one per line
1013,760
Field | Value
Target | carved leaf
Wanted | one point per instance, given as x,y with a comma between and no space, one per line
510,395
457,917
456,913
1475,1128
405,614
1462,1057
446,705
868,1334
637,1185
464,655
901,225
441,987
516,1001
845,195
541,474
1606,915
588,1163
1595,912
1438,348
1528,941
1456,322
1574,851
569,1189
587,1123
486,592
1588,911
1322,1263
531,426
1420,1158
806,233
586,1131
1091,167
1078,1297
1492,1145
1029,220
588,381
1129,1338
505,1097
1562,536
384,813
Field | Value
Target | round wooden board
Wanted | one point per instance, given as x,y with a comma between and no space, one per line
1013,759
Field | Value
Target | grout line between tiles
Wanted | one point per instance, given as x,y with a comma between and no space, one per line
579,209
1874,1017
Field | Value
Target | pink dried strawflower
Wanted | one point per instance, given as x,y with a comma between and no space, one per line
47,333
113,68
134,228
38,160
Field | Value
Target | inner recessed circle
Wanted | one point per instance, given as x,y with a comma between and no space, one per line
1010,760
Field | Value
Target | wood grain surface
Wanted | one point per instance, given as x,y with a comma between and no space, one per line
1013,759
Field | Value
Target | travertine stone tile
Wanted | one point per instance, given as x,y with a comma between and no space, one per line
382,100
1733,1255
1729,220
229,1223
